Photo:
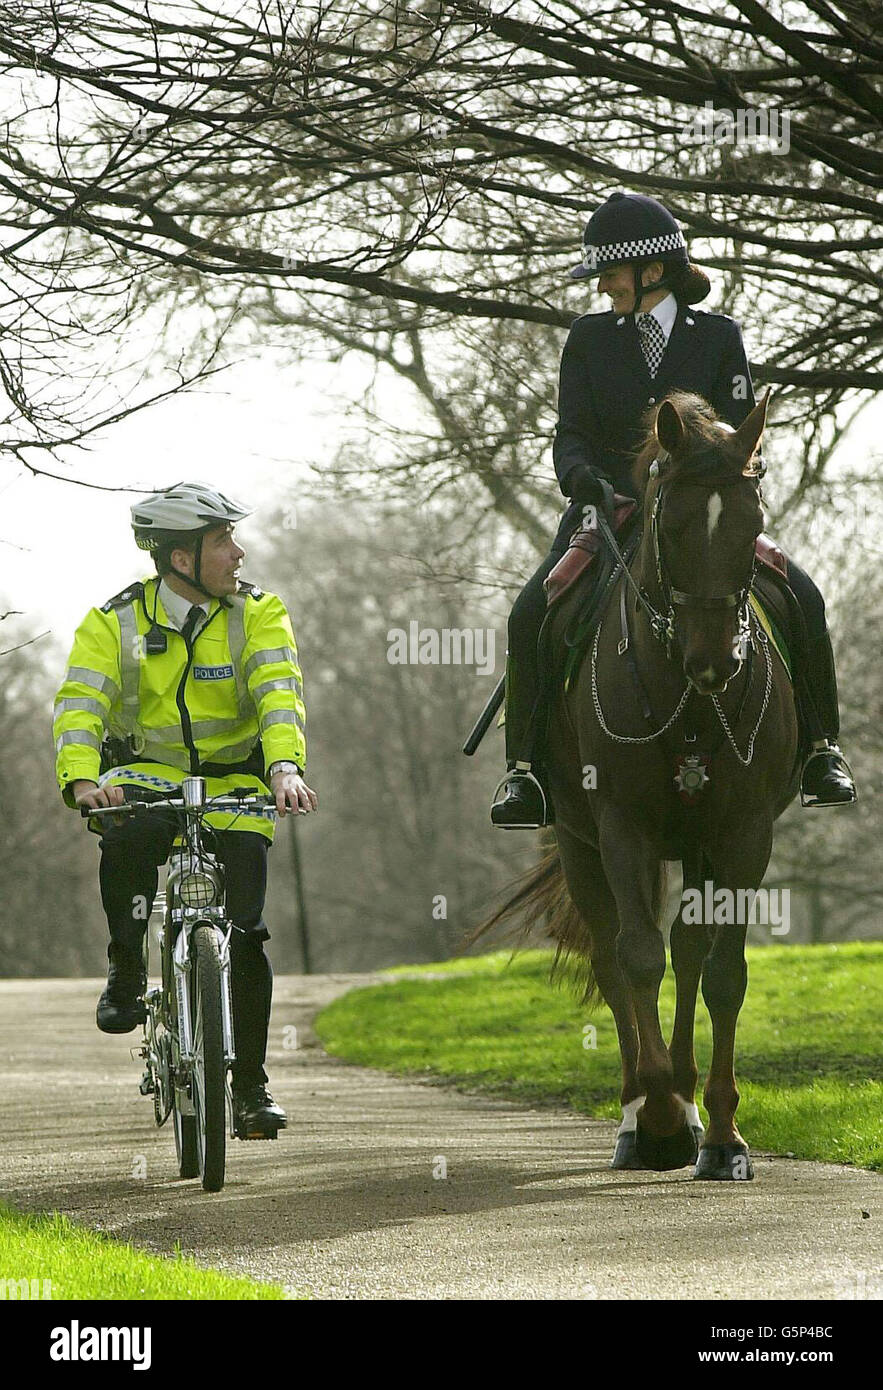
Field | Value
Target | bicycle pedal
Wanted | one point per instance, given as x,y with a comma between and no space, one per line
146,1087
257,1134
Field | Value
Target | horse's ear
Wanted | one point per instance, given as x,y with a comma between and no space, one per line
669,427
748,435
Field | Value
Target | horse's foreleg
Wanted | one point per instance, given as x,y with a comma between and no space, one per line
689,947
724,1154
632,866
724,978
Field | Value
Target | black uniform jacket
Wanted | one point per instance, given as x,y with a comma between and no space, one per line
605,388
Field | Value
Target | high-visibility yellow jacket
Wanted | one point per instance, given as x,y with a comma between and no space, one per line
185,712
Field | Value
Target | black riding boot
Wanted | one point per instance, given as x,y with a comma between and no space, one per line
121,1006
826,779
521,801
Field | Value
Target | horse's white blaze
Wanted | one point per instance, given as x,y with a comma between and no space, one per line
630,1116
715,507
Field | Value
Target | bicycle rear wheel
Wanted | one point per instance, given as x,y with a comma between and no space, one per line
209,1094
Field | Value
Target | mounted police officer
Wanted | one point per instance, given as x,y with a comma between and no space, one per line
615,365
190,672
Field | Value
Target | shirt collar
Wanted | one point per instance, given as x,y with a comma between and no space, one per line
665,313
177,607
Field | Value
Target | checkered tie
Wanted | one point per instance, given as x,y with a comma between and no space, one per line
652,341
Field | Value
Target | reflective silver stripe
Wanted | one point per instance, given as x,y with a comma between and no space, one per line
81,736
200,728
286,683
82,675
233,753
207,728
236,643
130,664
268,657
180,758
81,702
169,733
283,716
164,753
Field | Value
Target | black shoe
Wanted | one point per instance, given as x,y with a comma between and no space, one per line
827,779
255,1113
121,1006
520,802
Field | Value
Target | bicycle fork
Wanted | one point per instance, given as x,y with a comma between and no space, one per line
181,965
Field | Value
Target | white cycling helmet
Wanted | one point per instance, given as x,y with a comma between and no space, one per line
184,507
186,510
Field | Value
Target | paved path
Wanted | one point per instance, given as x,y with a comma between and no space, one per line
347,1204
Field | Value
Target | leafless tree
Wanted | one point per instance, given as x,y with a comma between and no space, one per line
409,182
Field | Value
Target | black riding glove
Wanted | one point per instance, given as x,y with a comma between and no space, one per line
582,485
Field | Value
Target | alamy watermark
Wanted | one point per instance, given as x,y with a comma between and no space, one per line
726,907
748,125
447,646
29,1289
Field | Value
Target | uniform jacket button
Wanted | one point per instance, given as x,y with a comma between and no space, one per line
651,400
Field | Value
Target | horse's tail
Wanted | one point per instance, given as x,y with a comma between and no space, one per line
540,898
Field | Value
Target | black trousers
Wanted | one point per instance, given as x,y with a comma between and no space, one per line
527,616
131,854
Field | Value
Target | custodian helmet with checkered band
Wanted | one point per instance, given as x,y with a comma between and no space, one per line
632,229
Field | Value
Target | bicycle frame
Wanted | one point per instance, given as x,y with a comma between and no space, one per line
194,897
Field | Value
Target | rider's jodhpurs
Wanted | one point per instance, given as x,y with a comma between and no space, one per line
130,856
525,704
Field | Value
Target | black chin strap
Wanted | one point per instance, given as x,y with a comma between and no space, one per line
641,289
194,580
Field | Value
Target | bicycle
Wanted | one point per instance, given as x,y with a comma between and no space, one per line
188,1044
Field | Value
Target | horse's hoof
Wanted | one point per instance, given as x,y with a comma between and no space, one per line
668,1151
624,1155
724,1163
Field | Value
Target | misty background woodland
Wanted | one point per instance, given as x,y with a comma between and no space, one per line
398,192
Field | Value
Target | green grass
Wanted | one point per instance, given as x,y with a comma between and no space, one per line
83,1264
807,1056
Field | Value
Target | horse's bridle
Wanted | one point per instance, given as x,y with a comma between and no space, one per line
662,624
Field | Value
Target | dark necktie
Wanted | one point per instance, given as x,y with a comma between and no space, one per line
190,622
652,341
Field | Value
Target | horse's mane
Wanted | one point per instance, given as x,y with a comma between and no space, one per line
702,427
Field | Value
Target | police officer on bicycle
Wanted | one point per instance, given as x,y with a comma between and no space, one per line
191,671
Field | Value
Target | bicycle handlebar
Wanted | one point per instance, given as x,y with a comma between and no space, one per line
228,801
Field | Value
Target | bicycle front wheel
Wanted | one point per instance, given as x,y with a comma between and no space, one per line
209,1096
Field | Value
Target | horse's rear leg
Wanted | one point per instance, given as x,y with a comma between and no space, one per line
663,1137
591,895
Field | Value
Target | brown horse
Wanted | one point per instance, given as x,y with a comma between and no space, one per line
676,740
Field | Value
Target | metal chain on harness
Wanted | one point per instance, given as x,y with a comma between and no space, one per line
662,627
626,738
764,640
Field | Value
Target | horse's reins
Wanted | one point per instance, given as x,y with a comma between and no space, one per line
663,629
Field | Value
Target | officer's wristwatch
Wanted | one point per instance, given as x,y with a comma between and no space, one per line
284,767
